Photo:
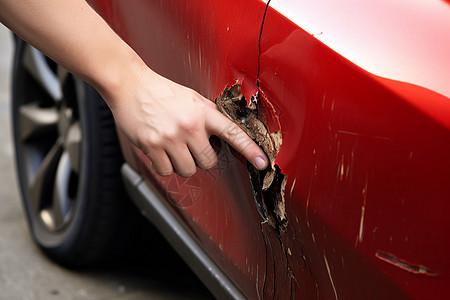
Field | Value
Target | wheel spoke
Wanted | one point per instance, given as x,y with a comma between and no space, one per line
62,75
61,200
34,119
35,62
45,175
72,145
46,216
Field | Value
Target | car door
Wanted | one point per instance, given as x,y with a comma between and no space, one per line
365,156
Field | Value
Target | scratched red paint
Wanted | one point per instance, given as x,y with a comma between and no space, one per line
404,264
368,154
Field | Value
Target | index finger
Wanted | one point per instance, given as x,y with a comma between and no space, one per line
227,130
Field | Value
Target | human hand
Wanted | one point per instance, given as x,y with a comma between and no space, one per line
172,125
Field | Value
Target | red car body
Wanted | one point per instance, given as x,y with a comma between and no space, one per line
360,92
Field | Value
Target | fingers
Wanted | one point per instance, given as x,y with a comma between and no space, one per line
182,160
204,154
224,128
177,158
160,162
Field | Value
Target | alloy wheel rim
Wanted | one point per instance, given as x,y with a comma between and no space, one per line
49,138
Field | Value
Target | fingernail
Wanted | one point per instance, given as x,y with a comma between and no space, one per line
260,163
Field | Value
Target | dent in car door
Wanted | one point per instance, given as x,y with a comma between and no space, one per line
336,150
207,46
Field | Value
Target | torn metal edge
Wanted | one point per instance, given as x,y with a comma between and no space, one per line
268,185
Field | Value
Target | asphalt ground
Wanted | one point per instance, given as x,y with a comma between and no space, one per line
27,274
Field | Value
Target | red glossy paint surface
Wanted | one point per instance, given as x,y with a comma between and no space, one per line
404,40
366,156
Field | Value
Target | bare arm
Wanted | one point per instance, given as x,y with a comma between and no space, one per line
170,123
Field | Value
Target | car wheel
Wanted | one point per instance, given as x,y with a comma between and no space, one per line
68,163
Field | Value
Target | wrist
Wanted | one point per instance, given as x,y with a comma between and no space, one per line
119,73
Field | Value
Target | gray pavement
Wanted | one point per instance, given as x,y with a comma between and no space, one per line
26,274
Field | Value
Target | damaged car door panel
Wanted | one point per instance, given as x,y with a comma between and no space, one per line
339,213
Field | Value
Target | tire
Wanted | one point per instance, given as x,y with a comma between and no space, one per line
68,163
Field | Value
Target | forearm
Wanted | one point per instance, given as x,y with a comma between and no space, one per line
74,35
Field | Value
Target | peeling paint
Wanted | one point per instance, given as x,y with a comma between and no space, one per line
405,265
268,185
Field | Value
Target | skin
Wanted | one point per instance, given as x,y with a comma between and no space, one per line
170,123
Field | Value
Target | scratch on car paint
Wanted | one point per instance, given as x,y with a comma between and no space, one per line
189,60
348,132
257,282
323,101
292,187
404,265
361,225
363,209
259,42
383,138
341,168
329,275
